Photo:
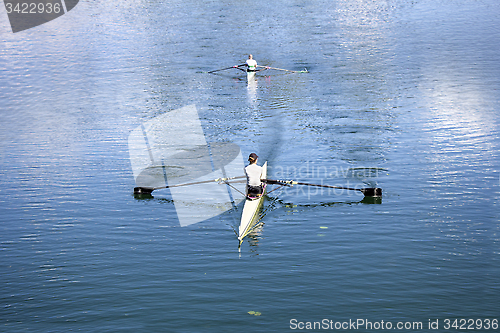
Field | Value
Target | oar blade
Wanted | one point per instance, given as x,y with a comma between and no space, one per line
372,192
143,190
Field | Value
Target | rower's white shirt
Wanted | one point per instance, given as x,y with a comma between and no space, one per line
252,63
253,173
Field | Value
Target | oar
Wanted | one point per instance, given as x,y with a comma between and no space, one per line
369,192
223,69
281,69
148,190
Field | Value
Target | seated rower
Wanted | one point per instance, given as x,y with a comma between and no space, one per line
254,174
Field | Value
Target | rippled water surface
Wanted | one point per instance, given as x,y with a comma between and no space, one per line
401,95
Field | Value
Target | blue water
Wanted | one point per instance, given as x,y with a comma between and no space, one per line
401,95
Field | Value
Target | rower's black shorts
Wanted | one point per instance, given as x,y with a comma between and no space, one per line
254,191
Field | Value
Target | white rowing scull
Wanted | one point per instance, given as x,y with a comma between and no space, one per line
251,210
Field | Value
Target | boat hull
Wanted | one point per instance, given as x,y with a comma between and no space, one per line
251,210
250,75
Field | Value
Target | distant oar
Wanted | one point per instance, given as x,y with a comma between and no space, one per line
148,190
223,69
369,192
281,69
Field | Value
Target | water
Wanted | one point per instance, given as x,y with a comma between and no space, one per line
400,95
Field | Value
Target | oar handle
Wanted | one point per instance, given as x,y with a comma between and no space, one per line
278,182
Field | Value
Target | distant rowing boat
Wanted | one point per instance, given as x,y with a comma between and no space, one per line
251,209
262,68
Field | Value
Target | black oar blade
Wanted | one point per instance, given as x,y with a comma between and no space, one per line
143,190
372,192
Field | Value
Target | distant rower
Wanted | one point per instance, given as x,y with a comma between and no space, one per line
251,64
254,174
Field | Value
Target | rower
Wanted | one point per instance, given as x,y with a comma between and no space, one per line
254,174
251,64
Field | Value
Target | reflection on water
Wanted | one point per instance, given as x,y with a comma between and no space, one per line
252,239
252,90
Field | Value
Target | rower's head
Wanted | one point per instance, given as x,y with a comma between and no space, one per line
250,56
253,158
